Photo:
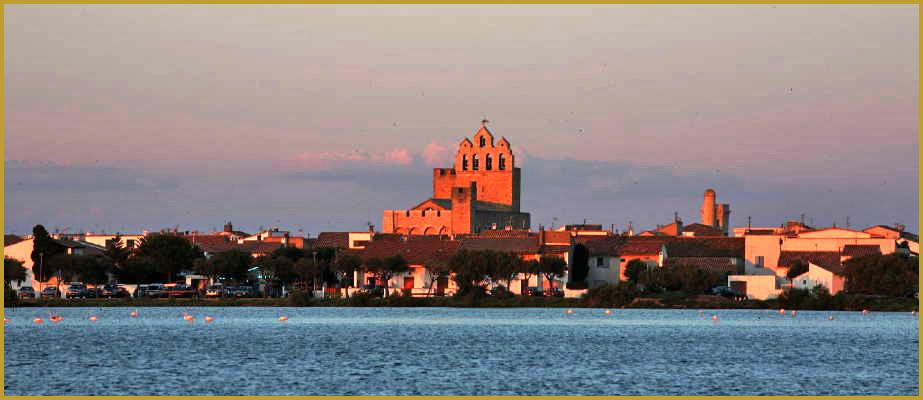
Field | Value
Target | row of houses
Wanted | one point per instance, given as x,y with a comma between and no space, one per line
755,260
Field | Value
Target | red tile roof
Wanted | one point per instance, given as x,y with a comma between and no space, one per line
681,246
503,233
856,250
259,247
829,260
557,237
702,230
524,245
338,240
11,239
417,251
619,245
722,265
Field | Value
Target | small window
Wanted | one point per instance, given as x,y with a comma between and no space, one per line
474,162
483,141
464,162
488,162
599,262
502,162
759,261
130,243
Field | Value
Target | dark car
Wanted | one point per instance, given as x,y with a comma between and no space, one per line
534,292
51,292
181,290
152,290
26,292
75,290
93,293
554,292
725,291
110,291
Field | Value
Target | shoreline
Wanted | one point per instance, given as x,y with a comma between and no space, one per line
871,303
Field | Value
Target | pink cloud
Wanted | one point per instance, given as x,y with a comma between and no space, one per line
435,154
334,160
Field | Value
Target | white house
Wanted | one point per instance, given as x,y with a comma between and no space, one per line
830,277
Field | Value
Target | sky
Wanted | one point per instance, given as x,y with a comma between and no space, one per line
318,117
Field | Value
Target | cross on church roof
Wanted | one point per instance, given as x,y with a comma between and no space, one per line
484,122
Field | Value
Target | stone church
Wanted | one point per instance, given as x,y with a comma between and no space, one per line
480,192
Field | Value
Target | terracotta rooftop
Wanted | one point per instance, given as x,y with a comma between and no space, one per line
11,239
503,233
417,251
702,230
338,240
829,260
856,250
680,246
520,245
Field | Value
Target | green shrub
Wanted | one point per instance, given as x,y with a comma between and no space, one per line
612,295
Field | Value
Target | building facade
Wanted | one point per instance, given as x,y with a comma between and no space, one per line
481,191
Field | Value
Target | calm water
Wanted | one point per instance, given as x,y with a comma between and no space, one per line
403,351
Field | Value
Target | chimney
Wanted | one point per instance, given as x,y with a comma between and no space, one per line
285,239
541,235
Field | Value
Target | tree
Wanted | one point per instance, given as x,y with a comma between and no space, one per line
116,251
43,248
343,267
169,254
607,295
306,269
470,269
292,253
798,268
13,271
552,267
579,269
138,269
504,268
93,269
892,275
393,265
634,269
438,269
233,264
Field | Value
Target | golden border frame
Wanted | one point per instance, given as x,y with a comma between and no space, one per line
578,2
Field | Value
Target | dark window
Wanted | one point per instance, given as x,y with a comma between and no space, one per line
474,162
130,243
599,262
502,162
483,141
488,162
464,162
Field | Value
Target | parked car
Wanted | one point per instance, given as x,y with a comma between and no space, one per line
156,290
241,291
554,292
181,290
51,292
26,292
534,292
215,291
75,290
725,291
110,291
373,290
93,293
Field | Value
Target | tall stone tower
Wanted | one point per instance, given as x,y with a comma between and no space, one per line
708,208
715,215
